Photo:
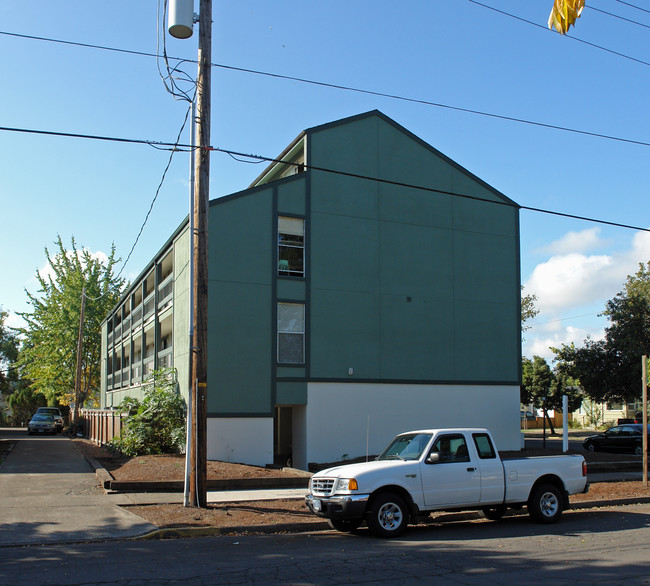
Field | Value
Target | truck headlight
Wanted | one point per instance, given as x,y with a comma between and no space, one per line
347,484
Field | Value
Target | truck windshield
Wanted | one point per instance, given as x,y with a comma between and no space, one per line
406,447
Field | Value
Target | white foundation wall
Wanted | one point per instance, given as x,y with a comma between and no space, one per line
341,419
241,440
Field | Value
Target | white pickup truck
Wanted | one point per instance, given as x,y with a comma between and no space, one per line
442,470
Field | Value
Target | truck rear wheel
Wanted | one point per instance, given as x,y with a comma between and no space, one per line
545,503
387,515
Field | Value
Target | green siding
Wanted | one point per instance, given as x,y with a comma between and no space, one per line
408,284
291,393
240,311
292,196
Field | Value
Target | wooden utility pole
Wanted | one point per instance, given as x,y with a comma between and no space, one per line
198,368
80,346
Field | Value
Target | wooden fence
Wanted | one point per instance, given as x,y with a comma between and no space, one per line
101,426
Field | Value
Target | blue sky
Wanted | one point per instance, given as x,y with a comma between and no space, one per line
453,52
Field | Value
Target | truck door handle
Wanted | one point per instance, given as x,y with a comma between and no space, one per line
471,469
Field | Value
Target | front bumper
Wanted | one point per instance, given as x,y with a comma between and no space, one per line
347,506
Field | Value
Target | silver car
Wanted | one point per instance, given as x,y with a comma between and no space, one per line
42,423
54,412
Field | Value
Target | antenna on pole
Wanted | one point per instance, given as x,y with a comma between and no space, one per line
181,18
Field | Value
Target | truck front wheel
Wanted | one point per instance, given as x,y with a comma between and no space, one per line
387,515
545,504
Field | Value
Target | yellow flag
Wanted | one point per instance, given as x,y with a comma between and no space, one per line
564,14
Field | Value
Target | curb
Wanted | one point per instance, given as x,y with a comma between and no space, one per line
319,525
224,484
193,532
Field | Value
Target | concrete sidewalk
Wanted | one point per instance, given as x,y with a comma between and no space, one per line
49,494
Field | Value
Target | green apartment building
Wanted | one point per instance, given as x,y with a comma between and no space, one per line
365,285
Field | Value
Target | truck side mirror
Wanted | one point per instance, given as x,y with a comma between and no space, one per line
433,458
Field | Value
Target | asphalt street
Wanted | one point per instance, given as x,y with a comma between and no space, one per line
598,546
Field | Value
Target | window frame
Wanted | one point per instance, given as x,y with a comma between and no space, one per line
290,332
291,245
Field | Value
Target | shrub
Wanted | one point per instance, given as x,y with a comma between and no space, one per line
155,425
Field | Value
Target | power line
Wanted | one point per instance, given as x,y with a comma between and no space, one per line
633,6
578,40
361,90
433,190
153,201
617,16
178,147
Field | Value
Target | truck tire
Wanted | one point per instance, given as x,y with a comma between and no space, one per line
494,513
387,515
545,504
345,525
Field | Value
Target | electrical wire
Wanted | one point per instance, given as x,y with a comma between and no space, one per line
359,90
633,6
433,190
578,40
153,201
173,88
315,168
617,16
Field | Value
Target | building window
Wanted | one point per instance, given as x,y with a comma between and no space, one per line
291,333
291,246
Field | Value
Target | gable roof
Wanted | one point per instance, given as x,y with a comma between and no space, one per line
270,171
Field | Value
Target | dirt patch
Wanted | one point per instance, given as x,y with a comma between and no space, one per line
169,467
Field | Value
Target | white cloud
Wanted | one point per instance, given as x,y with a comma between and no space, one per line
572,283
569,280
541,345
575,242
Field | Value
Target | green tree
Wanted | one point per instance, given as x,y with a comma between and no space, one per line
49,353
8,355
528,309
23,403
155,425
609,370
544,387
537,380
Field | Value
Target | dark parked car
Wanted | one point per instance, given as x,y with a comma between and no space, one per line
54,412
620,438
42,423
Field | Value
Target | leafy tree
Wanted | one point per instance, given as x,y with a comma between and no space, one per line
157,424
544,387
564,14
609,370
23,403
528,309
8,355
49,353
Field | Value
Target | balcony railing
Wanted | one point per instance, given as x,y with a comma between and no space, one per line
166,292
148,367
149,306
165,358
136,317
